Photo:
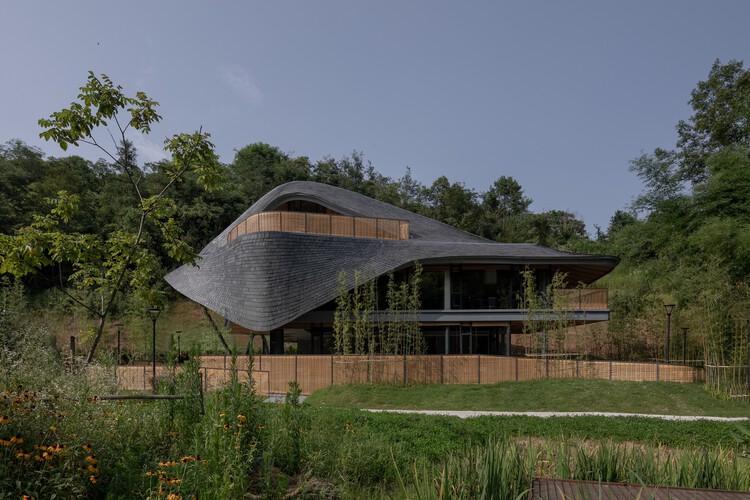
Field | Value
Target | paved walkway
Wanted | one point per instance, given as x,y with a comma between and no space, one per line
548,414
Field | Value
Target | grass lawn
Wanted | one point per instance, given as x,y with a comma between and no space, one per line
663,398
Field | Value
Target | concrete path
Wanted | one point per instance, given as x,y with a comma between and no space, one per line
548,414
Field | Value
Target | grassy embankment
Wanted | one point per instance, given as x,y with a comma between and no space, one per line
565,395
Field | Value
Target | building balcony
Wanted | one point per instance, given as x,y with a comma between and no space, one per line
326,224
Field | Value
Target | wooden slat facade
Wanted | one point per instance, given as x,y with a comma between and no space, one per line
326,224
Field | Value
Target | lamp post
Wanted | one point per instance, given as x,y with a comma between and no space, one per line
118,325
668,308
154,313
179,351
684,343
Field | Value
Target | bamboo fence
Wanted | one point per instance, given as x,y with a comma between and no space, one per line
272,374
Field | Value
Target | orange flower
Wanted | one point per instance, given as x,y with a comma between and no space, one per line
91,459
186,459
52,428
174,496
86,447
5,420
92,479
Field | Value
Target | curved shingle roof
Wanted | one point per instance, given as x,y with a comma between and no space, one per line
264,280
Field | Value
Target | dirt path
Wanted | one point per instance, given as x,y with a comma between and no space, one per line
548,414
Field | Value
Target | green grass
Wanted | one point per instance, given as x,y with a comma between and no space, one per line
662,398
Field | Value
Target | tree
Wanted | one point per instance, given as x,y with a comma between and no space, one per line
453,204
722,118
504,208
104,265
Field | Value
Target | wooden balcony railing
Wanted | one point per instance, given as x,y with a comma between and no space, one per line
583,299
334,225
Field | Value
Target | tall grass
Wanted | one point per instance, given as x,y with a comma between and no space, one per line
503,469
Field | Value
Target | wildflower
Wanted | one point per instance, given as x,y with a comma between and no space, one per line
241,418
226,426
86,447
16,439
186,459
47,455
91,459
6,442
92,478
240,424
27,497
261,427
222,414
174,496
168,464
93,469
53,428
4,420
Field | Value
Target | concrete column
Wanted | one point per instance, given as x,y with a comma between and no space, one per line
507,340
447,290
447,340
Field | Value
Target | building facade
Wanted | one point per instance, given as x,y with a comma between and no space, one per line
275,272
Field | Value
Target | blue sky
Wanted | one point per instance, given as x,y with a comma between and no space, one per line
559,95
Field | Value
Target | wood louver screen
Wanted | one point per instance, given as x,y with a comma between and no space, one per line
314,223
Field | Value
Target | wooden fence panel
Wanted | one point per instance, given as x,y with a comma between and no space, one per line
423,369
350,369
313,372
529,369
495,369
460,369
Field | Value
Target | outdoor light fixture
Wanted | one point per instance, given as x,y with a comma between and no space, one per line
179,350
154,313
668,308
118,325
684,343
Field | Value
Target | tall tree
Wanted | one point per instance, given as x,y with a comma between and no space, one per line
105,265
721,118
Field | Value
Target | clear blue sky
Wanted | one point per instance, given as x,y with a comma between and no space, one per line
559,95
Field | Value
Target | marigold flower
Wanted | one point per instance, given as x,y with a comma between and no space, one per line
16,439
5,419
226,426
186,459
91,459
86,447
52,428
93,469
92,479
242,417
170,463
174,496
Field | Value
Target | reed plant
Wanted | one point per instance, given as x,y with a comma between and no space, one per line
503,469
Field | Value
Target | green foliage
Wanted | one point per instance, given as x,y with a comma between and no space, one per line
105,264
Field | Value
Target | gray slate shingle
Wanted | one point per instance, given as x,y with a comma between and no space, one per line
264,280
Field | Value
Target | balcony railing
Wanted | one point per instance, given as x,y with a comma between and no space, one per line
583,299
334,225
